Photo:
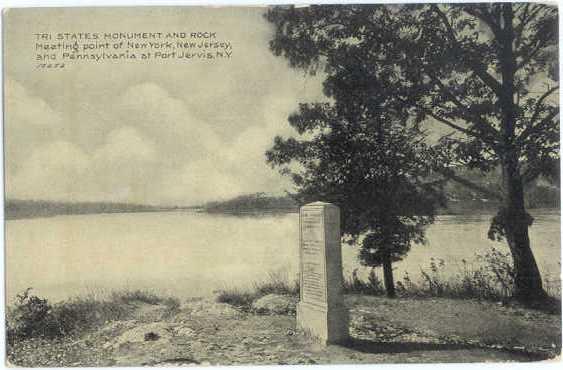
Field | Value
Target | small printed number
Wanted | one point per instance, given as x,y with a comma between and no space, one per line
50,65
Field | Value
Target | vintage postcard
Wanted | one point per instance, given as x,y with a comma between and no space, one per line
283,185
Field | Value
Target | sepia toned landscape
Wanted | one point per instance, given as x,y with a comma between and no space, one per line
328,184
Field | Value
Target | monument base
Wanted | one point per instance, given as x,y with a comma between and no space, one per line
329,326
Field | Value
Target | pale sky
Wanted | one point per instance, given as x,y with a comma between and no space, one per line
170,132
180,132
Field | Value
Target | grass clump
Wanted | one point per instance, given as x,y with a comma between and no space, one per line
237,297
136,296
277,283
172,306
133,297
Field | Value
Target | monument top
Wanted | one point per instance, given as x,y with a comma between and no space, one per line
319,204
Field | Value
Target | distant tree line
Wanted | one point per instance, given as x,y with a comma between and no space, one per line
17,209
541,194
252,203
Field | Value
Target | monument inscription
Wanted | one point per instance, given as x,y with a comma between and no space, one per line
321,312
313,267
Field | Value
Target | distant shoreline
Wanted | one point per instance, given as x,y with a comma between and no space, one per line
24,209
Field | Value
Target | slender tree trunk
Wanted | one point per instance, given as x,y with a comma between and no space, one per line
388,277
527,283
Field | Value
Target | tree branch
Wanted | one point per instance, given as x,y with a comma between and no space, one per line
467,115
445,22
540,101
484,17
532,130
525,60
531,15
450,124
523,18
445,121
479,69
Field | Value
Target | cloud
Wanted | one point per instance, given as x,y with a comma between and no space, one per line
162,133
126,145
151,149
199,181
29,121
168,156
28,110
116,171
53,171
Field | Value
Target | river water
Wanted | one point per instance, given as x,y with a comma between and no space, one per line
192,254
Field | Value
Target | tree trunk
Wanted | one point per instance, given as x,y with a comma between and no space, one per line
527,279
388,277
515,219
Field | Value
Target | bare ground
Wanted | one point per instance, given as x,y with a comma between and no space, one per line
202,332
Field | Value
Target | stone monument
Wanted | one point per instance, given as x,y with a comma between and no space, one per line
321,312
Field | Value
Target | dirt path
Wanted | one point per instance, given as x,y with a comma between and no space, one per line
203,332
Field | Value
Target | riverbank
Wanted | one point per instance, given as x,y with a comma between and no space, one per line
198,331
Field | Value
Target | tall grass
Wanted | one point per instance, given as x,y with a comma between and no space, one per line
240,298
482,282
489,277
275,283
355,285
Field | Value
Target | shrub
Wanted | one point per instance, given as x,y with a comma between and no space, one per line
172,306
499,268
80,314
407,286
433,282
28,317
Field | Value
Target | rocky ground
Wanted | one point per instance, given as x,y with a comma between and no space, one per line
203,332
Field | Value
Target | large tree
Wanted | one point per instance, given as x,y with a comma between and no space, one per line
485,72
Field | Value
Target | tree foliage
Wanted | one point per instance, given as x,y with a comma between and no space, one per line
374,166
